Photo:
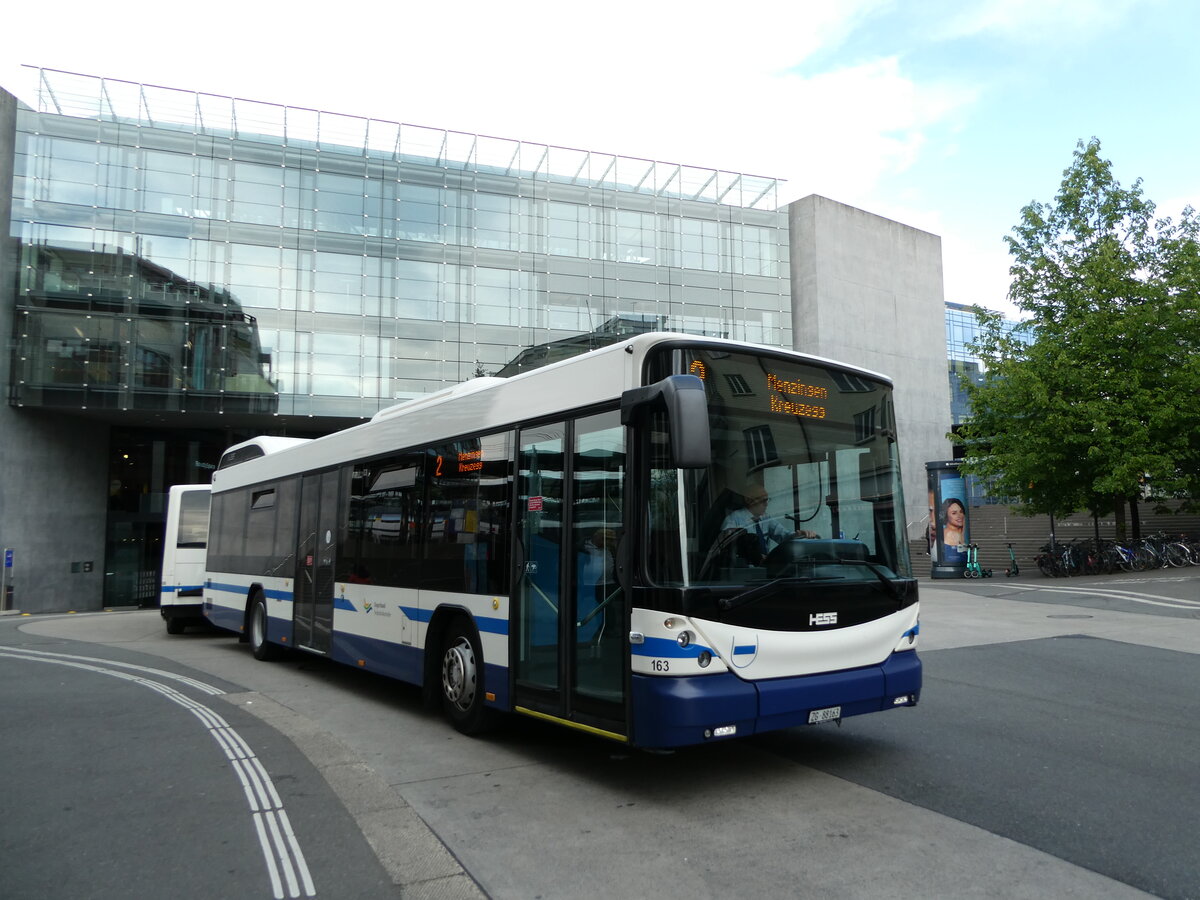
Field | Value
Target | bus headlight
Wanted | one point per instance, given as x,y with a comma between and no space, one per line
684,638
908,640
704,659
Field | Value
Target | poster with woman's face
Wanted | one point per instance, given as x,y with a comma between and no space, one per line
949,533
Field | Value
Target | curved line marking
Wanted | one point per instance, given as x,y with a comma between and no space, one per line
265,806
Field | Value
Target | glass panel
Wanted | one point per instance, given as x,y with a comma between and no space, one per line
330,520
540,494
286,503
305,592
468,516
386,521
193,519
598,483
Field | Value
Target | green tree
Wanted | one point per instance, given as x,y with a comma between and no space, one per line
1096,392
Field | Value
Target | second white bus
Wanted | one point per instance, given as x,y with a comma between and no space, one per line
185,543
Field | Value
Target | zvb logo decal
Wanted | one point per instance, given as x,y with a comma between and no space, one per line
367,607
741,655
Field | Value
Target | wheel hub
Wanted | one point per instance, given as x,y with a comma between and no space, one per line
458,673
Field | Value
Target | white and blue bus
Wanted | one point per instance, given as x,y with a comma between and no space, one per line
669,540
185,539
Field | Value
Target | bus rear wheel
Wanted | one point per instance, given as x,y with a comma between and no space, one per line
259,645
462,679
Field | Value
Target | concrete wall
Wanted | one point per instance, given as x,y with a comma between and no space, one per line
53,469
868,291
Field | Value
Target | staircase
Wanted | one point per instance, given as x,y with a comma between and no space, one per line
993,528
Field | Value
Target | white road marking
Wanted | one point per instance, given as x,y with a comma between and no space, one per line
159,673
281,850
1132,596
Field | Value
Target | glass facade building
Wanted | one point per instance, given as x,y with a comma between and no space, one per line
962,329
187,252
190,270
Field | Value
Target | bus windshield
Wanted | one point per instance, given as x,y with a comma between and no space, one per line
804,482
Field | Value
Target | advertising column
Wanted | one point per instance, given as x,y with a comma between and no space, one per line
949,532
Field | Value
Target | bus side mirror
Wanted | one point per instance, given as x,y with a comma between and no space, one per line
683,398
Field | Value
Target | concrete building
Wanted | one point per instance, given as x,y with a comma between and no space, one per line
182,271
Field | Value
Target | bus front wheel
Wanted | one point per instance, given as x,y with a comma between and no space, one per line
259,645
462,679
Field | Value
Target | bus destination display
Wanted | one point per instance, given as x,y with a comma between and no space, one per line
777,386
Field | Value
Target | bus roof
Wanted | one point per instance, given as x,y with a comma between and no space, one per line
477,406
256,447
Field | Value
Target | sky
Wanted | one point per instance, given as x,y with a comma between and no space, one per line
946,115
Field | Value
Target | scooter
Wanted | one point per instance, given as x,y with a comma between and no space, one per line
1014,570
973,569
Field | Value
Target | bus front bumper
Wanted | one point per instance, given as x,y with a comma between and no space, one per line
675,712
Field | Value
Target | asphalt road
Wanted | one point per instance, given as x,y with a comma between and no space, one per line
1053,754
122,779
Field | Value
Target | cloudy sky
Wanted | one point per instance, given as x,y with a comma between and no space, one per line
947,115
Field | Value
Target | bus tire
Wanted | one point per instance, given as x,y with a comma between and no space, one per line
461,675
176,625
259,645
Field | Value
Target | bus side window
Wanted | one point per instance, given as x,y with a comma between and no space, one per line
387,520
466,548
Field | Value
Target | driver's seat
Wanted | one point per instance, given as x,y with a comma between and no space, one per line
710,524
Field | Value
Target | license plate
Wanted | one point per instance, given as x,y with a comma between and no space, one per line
824,715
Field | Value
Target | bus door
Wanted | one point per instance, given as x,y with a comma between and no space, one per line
571,620
312,613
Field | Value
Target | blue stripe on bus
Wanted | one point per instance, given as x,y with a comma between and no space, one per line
748,648
181,587
665,647
240,589
485,624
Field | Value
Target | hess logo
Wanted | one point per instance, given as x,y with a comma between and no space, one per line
829,618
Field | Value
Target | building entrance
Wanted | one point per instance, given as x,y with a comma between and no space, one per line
142,466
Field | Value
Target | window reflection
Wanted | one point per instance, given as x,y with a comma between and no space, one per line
337,241
112,329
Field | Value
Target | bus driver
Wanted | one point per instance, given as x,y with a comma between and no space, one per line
758,533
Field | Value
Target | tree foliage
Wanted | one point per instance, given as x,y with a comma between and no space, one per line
1097,393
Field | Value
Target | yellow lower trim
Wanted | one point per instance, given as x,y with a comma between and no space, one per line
611,735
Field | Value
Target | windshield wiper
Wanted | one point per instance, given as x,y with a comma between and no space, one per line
757,593
763,590
879,571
